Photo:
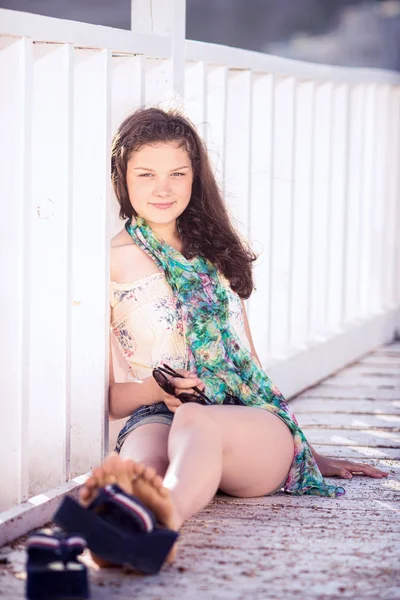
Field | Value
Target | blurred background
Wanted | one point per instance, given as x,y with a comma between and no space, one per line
362,33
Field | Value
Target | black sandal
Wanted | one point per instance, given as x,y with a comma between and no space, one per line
119,529
53,569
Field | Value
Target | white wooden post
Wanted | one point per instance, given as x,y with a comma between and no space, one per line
91,298
166,18
260,208
281,220
302,199
15,191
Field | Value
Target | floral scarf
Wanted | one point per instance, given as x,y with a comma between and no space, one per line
215,351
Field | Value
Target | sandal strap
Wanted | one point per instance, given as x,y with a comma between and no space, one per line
56,546
136,513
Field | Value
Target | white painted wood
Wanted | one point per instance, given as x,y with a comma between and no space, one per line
320,228
127,95
302,197
325,356
15,159
237,148
158,84
393,199
337,205
379,204
90,301
397,194
351,274
238,58
82,35
216,119
281,217
367,241
49,268
195,95
260,209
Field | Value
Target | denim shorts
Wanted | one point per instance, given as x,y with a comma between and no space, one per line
154,413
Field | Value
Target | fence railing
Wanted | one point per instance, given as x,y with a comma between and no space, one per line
307,157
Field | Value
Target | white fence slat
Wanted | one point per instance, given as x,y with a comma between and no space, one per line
260,209
367,245
90,305
337,201
216,119
127,95
195,95
395,273
49,267
320,203
237,148
302,195
158,83
391,168
15,157
282,199
353,216
379,204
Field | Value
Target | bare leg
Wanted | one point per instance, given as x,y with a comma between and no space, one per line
148,444
245,451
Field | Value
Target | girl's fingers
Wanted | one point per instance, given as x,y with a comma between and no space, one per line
186,383
365,469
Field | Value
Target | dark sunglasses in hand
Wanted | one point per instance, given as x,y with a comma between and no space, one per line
166,385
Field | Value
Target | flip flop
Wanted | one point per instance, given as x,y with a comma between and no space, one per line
119,528
53,570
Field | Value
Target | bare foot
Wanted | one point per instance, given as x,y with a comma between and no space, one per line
138,480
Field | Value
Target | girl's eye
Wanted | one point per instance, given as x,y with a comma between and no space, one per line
182,174
144,174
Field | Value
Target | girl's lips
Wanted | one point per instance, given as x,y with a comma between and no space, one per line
162,206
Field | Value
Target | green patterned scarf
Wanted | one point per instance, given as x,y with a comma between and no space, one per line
215,348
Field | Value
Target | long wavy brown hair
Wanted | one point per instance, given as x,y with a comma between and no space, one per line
204,226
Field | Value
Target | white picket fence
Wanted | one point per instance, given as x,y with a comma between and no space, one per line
307,156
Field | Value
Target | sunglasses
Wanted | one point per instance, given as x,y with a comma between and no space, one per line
166,385
200,397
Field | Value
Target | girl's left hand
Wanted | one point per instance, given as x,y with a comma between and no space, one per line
335,467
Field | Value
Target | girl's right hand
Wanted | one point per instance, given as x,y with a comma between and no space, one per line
184,384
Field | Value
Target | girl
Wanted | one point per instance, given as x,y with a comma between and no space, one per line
180,273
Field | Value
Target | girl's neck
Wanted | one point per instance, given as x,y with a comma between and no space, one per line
169,233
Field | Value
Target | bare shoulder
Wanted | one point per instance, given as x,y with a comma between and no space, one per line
127,261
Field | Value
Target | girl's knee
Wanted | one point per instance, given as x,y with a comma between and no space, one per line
192,414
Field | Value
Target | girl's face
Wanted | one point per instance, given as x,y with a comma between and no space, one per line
159,179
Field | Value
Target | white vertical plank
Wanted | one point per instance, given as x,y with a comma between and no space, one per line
15,159
389,171
393,227
237,148
396,271
90,310
50,267
260,210
158,84
127,95
353,216
195,95
302,195
320,204
282,197
367,241
216,119
166,18
337,202
379,204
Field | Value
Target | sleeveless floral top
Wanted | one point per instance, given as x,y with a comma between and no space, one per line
147,325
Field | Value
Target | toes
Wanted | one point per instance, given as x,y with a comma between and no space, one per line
149,473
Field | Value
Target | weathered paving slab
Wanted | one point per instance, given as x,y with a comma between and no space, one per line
286,547
366,406
349,421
